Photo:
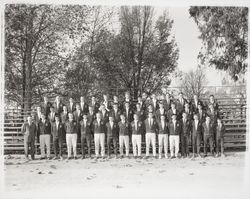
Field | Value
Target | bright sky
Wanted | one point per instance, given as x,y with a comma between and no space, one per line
186,34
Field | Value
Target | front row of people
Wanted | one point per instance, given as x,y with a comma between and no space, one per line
176,132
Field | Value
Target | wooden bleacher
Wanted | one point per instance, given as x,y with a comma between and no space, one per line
232,113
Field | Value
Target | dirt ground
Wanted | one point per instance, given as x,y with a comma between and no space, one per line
122,178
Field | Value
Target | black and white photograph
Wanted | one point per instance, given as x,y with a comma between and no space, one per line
119,99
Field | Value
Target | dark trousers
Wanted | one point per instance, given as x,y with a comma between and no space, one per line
184,145
196,141
208,139
219,144
109,141
29,143
57,144
85,139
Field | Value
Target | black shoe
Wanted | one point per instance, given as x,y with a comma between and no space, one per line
83,157
42,158
75,158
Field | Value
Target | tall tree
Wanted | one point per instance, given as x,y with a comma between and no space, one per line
224,32
34,48
143,53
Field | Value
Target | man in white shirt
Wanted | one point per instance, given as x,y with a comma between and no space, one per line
163,136
151,128
137,130
174,136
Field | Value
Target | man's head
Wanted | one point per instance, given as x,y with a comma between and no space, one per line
127,95
82,99
135,117
52,109
196,117
153,96
173,105
115,98
127,105
211,98
71,100
174,116
102,107
43,117
122,117
29,119
38,109
184,115
90,108
85,117
186,105
57,118
150,108
58,98
93,99
167,96
64,108
45,98
78,107
150,115
207,118
180,95
111,118
138,106
105,97
70,117
115,106
161,105
163,117
195,97
144,96
139,99
199,106
98,116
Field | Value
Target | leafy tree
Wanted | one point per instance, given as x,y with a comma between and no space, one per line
141,56
224,32
34,50
83,76
72,50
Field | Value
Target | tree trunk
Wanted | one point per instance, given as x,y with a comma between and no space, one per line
28,69
23,87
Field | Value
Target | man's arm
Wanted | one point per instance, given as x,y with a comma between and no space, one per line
23,128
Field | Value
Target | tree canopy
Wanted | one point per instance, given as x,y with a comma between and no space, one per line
74,50
224,32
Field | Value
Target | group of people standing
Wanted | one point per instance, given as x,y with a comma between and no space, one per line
174,124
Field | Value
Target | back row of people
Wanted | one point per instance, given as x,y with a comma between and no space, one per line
164,105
